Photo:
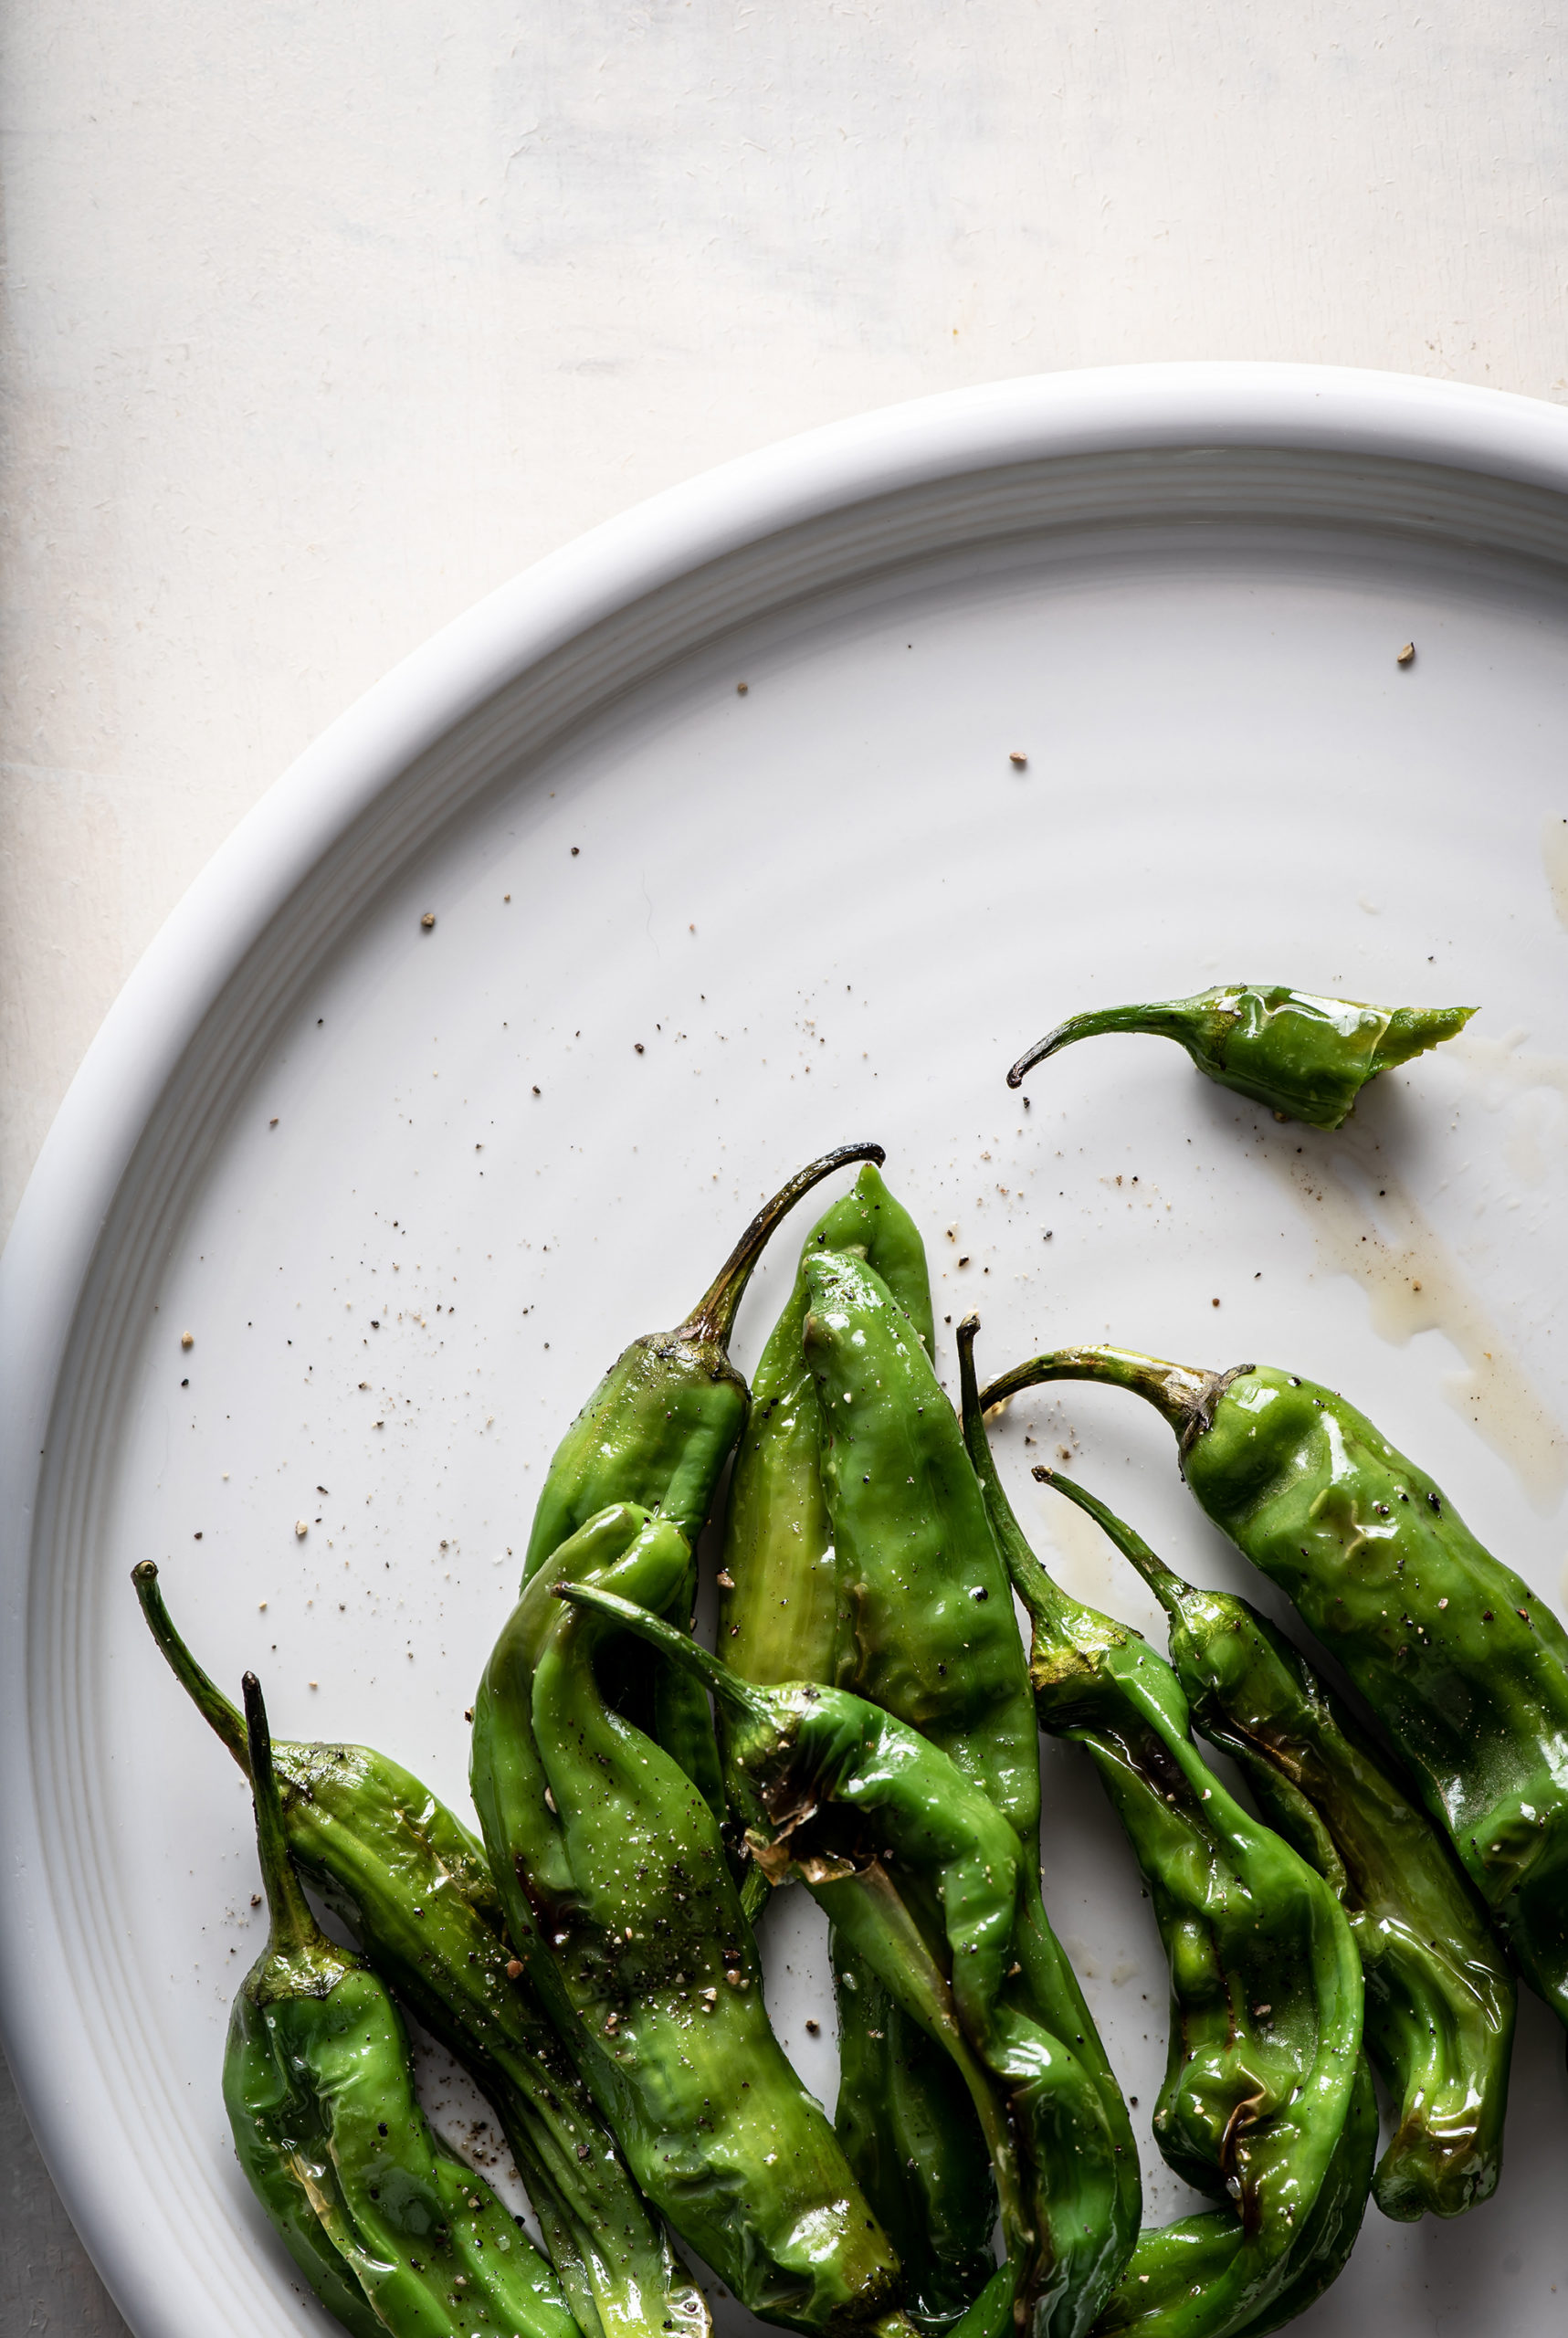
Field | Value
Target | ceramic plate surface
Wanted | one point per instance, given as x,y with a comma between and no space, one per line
409,1189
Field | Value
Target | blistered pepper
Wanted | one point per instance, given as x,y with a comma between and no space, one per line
412,1884
905,2123
657,1431
612,1870
1465,1669
1308,1058
1439,1995
1265,2098
391,2232
925,1879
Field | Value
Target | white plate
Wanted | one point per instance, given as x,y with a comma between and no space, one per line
830,908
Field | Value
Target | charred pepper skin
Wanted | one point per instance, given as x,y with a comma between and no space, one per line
1440,1999
927,1881
1266,2096
391,2232
1308,1058
663,1421
611,1869
657,1431
932,1635
1465,1668
412,1882
905,2122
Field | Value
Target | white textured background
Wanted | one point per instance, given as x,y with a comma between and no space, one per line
323,319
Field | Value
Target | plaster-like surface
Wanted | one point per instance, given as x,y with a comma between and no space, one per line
324,319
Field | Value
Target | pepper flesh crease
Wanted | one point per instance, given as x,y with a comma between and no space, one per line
926,1880
1440,1998
391,2232
412,1882
1465,1668
657,1431
906,2124
1308,1058
611,1869
1266,2099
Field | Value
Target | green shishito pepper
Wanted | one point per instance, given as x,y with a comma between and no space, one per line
904,2120
391,2232
412,1882
931,1632
1465,1668
657,1431
1440,1998
926,1880
1308,1058
1267,2100
611,1867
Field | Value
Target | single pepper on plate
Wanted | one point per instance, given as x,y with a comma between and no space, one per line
657,1431
391,2232
611,1869
903,2116
1266,2099
1440,1999
413,1885
925,1879
1465,1669
1308,1058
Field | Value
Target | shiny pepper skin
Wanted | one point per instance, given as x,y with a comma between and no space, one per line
391,2232
657,1431
1308,1058
1465,1668
903,2118
1267,2101
926,1880
611,1869
1440,1999
412,1884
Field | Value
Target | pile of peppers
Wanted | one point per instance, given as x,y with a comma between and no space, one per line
867,1727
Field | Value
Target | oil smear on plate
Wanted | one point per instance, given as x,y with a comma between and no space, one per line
1368,1226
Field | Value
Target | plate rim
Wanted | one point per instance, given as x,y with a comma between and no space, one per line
316,802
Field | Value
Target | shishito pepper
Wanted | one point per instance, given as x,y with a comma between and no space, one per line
924,1878
904,2120
1308,1058
1265,2098
1465,1669
932,1635
412,1882
612,1870
391,2231
1440,1998
657,1431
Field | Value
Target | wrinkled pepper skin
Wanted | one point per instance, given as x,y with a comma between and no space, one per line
1440,1999
932,1636
657,1431
1308,1058
1265,2069
412,1884
391,2232
779,1606
926,1880
906,2124
611,1869
1465,1668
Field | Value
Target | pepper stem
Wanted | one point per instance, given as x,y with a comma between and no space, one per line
1163,1581
1160,1019
205,1694
713,1317
294,1929
679,1647
1182,1393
